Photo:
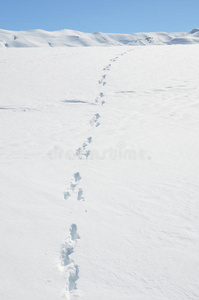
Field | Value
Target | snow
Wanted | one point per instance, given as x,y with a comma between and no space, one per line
72,38
99,172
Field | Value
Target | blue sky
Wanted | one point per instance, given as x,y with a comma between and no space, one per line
121,16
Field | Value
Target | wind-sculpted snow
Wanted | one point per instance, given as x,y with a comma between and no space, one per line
72,38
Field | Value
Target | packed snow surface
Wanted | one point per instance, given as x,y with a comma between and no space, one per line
72,38
99,171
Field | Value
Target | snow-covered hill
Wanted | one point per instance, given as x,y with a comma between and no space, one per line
71,38
99,173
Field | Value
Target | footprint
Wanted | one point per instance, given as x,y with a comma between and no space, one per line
73,232
82,152
68,246
94,121
101,81
71,269
67,195
97,116
73,277
72,187
77,177
66,250
84,145
101,96
80,195
107,68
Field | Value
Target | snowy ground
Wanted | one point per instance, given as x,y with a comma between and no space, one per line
73,38
99,173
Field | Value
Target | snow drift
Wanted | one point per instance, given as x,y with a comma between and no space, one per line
72,38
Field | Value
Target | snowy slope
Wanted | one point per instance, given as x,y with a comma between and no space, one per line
72,38
99,173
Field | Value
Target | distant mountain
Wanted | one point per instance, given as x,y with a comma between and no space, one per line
72,38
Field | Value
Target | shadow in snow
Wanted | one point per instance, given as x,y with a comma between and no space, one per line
78,101
125,92
7,108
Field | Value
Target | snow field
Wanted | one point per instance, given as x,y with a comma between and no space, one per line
99,181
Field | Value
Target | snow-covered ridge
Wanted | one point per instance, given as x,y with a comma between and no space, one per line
72,38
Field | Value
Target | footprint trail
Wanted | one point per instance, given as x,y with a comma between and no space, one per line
75,191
